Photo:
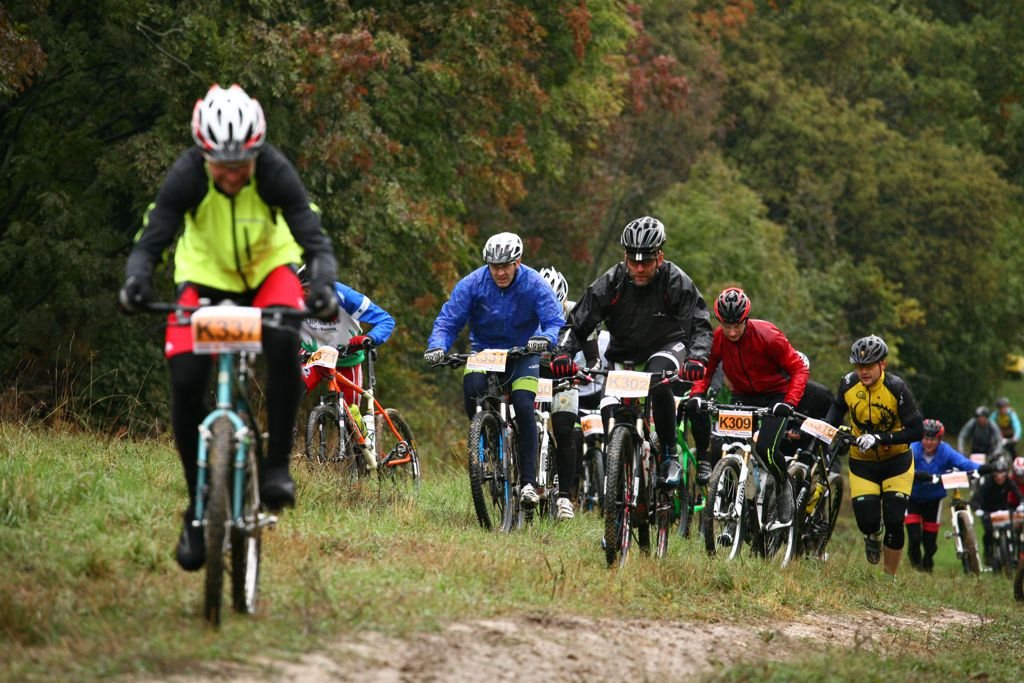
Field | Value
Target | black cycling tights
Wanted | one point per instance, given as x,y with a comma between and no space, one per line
663,404
190,375
890,508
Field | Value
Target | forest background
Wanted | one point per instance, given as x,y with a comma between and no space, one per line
856,166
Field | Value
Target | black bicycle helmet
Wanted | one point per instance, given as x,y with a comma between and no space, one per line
643,238
868,350
732,306
934,428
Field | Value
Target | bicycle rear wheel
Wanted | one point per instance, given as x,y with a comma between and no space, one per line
687,494
515,514
393,449
220,456
1018,583
970,561
486,479
619,500
725,509
592,481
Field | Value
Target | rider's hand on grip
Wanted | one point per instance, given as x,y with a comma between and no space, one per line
433,356
360,341
321,300
563,366
538,344
782,409
693,370
695,405
135,294
866,442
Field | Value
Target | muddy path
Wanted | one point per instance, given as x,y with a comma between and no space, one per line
566,649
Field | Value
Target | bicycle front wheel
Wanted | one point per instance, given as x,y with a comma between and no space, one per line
724,511
245,548
397,457
486,479
220,457
1018,583
970,561
620,502
325,439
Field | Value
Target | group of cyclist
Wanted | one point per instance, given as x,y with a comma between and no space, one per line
248,224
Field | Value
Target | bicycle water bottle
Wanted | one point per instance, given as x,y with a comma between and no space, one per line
819,488
370,434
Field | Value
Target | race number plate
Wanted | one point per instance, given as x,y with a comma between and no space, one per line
979,458
543,390
324,357
819,429
1018,516
735,423
627,384
219,329
592,424
1000,517
956,480
488,360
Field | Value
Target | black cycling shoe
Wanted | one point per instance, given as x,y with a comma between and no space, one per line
671,472
872,549
703,473
277,490
784,504
191,551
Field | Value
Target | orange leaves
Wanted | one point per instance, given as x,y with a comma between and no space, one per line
578,18
726,22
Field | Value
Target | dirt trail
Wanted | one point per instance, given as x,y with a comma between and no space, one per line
565,649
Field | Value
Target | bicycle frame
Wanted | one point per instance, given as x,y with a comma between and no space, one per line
495,401
969,557
231,405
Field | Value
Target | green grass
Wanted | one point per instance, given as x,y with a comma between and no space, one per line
89,587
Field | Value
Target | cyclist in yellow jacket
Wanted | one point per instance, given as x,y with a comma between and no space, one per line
247,222
885,419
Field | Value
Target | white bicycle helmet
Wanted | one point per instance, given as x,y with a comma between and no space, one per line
505,247
228,125
557,282
643,238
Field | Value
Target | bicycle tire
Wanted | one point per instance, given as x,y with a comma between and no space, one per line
485,477
791,547
720,518
515,515
618,518
551,493
325,442
220,457
592,497
970,561
406,474
1018,583
1003,554
836,490
687,492
663,520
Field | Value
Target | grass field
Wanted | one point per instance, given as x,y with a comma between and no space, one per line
89,588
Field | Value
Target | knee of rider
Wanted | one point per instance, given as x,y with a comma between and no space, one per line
867,511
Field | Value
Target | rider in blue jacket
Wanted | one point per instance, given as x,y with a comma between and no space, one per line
932,457
506,304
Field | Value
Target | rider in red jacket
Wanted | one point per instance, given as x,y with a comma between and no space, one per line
764,370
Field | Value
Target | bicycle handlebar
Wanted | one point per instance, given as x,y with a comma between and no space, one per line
272,312
457,360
